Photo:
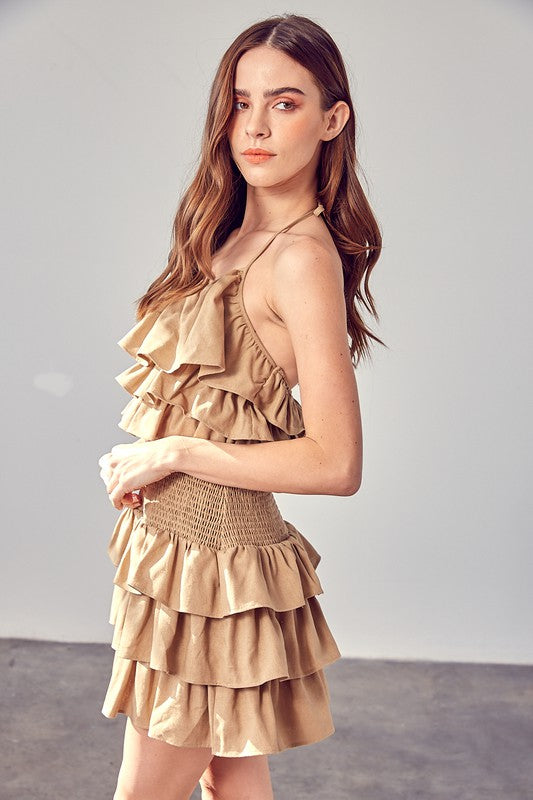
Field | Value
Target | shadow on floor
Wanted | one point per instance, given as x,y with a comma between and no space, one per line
404,730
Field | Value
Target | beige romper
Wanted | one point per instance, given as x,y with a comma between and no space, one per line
219,638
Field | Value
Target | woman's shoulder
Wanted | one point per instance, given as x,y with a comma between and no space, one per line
301,256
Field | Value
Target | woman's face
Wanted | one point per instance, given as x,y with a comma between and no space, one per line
276,107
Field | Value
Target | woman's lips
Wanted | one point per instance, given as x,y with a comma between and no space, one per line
257,158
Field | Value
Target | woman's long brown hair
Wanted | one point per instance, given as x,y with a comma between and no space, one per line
214,203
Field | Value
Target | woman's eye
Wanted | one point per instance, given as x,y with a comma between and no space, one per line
292,105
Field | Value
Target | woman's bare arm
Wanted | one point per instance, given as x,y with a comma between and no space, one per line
307,293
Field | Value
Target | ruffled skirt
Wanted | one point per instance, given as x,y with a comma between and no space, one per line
219,638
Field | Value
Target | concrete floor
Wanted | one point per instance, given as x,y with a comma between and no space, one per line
404,730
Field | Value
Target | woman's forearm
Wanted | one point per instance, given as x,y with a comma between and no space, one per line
298,466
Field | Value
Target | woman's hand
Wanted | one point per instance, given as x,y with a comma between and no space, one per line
130,467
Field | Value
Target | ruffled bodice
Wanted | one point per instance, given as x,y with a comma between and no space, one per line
202,371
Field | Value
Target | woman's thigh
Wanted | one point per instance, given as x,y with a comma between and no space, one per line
244,778
154,770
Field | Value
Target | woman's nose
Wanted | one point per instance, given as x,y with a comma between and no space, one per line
256,124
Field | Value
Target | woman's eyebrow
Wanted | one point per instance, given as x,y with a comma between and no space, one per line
271,92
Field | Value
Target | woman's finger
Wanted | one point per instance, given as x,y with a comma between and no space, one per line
103,461
113,484
117,498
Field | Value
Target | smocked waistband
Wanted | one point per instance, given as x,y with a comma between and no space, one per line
213,514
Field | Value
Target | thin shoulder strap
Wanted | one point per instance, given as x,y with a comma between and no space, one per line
318,210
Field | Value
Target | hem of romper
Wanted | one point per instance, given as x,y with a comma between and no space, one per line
227,753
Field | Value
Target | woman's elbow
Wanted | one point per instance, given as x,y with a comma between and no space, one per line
348,481
340,471
352,486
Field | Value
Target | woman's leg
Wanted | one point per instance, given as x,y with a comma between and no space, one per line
154,770
244,778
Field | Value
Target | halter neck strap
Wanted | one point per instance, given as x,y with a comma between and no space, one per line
316,211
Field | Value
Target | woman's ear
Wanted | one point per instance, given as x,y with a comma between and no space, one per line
336,118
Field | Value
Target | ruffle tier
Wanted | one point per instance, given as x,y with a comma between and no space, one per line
251,721
201,371
193,578
240,650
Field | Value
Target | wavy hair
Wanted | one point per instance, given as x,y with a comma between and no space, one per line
214,203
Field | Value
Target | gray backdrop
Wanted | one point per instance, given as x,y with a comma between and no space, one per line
103,106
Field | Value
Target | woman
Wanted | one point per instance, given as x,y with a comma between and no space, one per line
219,638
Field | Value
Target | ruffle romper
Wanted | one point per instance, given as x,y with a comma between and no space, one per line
219,638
